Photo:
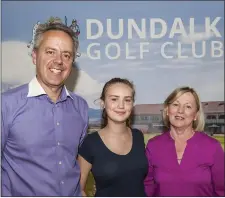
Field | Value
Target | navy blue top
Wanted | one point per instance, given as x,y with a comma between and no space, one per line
116,175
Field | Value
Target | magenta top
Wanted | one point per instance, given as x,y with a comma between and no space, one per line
200,173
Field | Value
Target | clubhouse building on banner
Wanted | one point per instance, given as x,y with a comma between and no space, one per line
148,117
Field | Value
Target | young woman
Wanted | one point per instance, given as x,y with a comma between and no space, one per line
116,153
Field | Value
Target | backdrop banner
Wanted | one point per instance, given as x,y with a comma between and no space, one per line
157,45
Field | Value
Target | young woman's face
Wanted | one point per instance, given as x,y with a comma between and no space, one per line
118,102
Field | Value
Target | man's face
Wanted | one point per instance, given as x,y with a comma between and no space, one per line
53,58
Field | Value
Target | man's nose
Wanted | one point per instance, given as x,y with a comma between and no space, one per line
58,59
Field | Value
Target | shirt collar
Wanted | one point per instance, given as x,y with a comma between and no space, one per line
35,89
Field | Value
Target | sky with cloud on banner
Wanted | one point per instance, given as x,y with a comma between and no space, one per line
153,74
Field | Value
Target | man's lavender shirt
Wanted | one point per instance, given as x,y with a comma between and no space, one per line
40,141
200,173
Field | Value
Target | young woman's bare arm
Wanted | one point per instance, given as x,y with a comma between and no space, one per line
85,168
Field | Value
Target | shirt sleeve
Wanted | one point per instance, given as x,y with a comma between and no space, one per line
4,125
149,182
85,149
6,186
217,171
83,135
85,117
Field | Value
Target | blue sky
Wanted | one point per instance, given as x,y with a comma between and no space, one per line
22,15
154,76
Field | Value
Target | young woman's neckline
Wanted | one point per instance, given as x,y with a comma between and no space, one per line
132,145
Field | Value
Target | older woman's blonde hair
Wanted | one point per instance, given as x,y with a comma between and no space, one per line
199,123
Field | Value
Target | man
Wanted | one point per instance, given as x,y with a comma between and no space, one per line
43,123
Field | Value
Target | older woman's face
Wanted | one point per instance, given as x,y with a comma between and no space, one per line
183,111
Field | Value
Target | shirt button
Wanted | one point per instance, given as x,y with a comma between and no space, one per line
60,162
58,143
62,182
57,123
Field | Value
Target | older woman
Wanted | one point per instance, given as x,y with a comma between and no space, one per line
184,161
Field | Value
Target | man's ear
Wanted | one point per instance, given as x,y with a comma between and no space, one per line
34,57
